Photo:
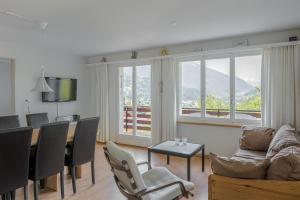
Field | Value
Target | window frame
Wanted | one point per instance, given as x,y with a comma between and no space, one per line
135,132
202,59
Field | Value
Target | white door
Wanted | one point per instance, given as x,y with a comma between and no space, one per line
135,104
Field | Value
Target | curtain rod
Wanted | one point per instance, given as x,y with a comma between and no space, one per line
201,53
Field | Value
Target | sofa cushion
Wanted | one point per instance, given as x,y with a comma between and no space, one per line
239,167
248,154
256,138
285,165
160,176
286,136
120,154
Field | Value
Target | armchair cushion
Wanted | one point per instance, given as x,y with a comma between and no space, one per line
160,176
119,154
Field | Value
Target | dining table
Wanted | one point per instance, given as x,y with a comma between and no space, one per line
51,182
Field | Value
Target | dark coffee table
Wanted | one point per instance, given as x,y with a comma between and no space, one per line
170,148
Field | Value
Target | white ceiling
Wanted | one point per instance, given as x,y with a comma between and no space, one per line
89,27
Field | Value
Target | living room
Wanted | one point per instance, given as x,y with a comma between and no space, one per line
206,92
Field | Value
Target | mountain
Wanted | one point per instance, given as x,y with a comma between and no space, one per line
217,84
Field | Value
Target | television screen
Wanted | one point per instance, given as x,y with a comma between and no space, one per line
65,89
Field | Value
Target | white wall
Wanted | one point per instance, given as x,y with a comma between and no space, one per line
6,105
220,140
28,61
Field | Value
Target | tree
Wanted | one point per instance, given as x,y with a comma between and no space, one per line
213,102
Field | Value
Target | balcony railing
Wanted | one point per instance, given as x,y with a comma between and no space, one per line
223,112
144,116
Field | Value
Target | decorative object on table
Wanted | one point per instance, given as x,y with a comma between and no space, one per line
42,85
28,105
184,140
134,55
103,59
293,38
164,51
177,141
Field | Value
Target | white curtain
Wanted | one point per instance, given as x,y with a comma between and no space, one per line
156,80
102,102
280,86
113,99
107,101
169,128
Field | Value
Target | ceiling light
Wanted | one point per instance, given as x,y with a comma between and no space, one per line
44,25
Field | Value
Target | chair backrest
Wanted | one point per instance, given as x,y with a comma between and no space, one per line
11,121
84,141
14,158
50,150
125,170
37,119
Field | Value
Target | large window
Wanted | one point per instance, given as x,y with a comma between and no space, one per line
190,88
135,95
221,87
248,87
217,102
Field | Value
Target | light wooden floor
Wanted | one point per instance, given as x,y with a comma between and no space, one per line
105,187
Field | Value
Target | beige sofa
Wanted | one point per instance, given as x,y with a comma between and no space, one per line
226,188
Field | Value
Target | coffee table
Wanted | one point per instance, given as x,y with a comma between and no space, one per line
170,148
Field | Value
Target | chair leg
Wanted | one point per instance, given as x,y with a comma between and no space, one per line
62,191
13,195
93,171
35,190
25,192
5,196
73,179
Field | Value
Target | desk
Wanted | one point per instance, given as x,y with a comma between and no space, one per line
51,181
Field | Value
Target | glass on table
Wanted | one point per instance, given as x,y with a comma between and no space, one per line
177,141
184,140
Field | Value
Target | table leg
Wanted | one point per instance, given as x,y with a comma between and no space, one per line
203,158
78,171
168,159
188,169
149,159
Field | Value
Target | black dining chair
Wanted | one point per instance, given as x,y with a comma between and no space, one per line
10,121
37,119
47,157
82,149
14,160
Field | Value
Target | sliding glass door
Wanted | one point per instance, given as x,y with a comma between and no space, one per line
135,104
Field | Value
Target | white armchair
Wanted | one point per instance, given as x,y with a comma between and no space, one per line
157,183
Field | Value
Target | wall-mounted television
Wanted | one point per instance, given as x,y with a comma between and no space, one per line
65,89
